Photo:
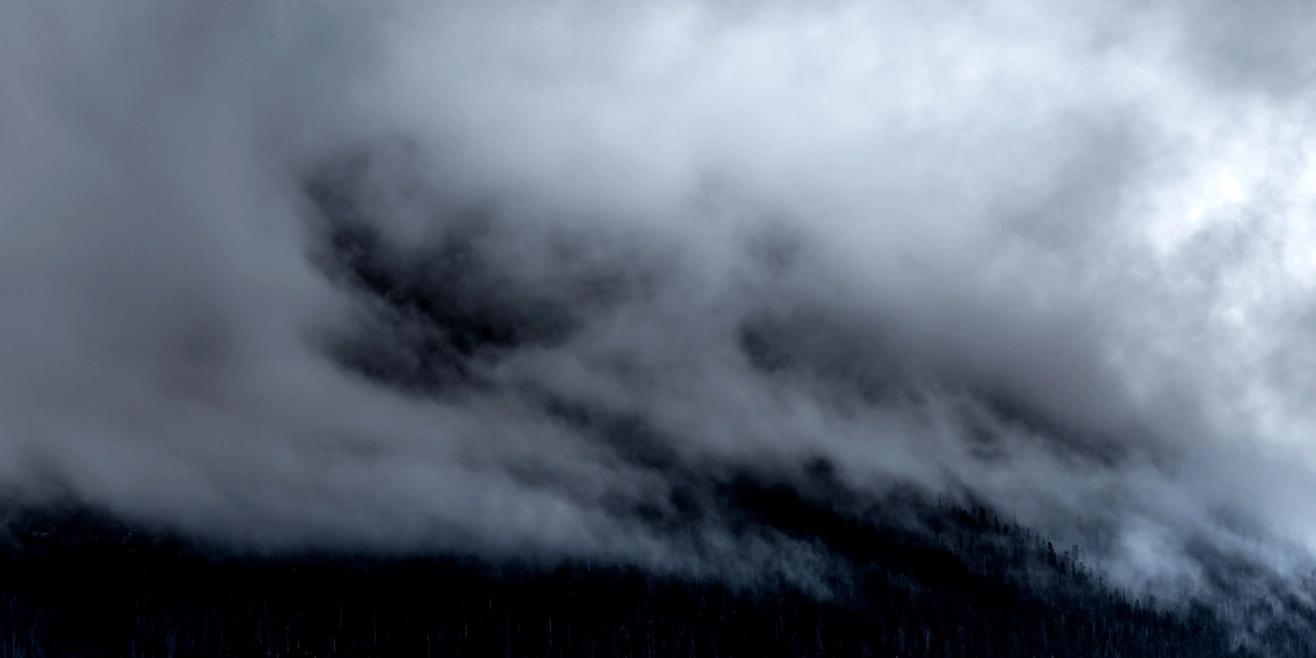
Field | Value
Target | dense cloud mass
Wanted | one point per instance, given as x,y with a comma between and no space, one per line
553,277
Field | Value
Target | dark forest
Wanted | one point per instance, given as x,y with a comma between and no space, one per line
962,585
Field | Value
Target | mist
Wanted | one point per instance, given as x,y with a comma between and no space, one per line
537,279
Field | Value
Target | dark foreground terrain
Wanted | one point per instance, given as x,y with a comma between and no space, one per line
962,585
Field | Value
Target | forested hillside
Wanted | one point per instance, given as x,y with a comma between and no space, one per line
955,584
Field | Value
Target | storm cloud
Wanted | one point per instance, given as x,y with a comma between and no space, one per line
559,278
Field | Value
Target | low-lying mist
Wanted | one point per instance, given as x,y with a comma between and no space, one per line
553,278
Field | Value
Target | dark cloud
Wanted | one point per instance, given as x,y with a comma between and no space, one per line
672,284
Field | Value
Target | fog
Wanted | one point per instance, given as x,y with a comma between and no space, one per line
525,278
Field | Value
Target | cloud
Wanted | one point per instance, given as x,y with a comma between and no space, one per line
548,278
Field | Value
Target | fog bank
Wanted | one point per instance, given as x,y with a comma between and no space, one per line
541,278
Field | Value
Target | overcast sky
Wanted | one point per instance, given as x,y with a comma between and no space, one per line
1054,256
